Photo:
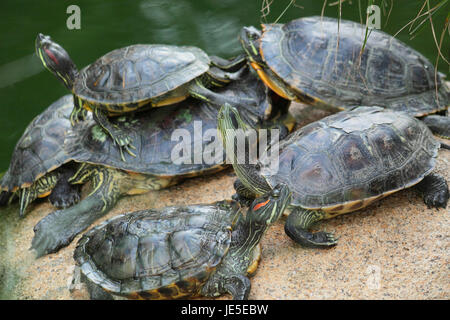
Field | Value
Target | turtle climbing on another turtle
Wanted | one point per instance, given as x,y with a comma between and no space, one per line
325,62
52,158
136,77
340,164
178,252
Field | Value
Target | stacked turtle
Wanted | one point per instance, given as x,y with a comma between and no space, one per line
339,164
53,157
325,63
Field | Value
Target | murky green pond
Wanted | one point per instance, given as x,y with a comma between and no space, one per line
26,88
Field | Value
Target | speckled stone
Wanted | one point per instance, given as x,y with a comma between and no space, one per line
396,248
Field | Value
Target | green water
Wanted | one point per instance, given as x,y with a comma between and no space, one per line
26,88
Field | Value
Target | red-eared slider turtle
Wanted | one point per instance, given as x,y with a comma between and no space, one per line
316,60
343,163
131,78
52,153
178,252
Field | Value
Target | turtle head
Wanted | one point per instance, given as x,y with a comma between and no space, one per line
56,60
267,209
250,38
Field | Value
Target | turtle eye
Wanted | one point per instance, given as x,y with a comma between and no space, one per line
276,193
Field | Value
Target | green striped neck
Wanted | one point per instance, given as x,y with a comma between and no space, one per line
229,121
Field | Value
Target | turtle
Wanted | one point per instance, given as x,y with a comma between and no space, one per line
340,164
178,251
136,77
318,61
52,158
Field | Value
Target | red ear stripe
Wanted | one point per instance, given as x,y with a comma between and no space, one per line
51,55
259,205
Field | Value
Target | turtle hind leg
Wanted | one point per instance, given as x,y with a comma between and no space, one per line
434,190
439,125
120,137
58,229
298,223
65,194
229,65
198,90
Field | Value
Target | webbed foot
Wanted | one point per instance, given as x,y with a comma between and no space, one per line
298,223
64,195
123,141
434,190
313,240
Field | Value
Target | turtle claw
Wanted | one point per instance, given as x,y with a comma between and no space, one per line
321,240
436,200
124,143
312,240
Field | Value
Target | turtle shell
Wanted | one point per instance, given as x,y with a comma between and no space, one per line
318,57
50,140
157,254
347,160
138,73
41,147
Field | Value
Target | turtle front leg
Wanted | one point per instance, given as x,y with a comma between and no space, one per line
58,229
119,136
78,112
439,125
65,194
434,190
298,223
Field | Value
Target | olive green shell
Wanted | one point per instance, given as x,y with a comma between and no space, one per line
139,72
354,155
50,141
157,254
305,54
